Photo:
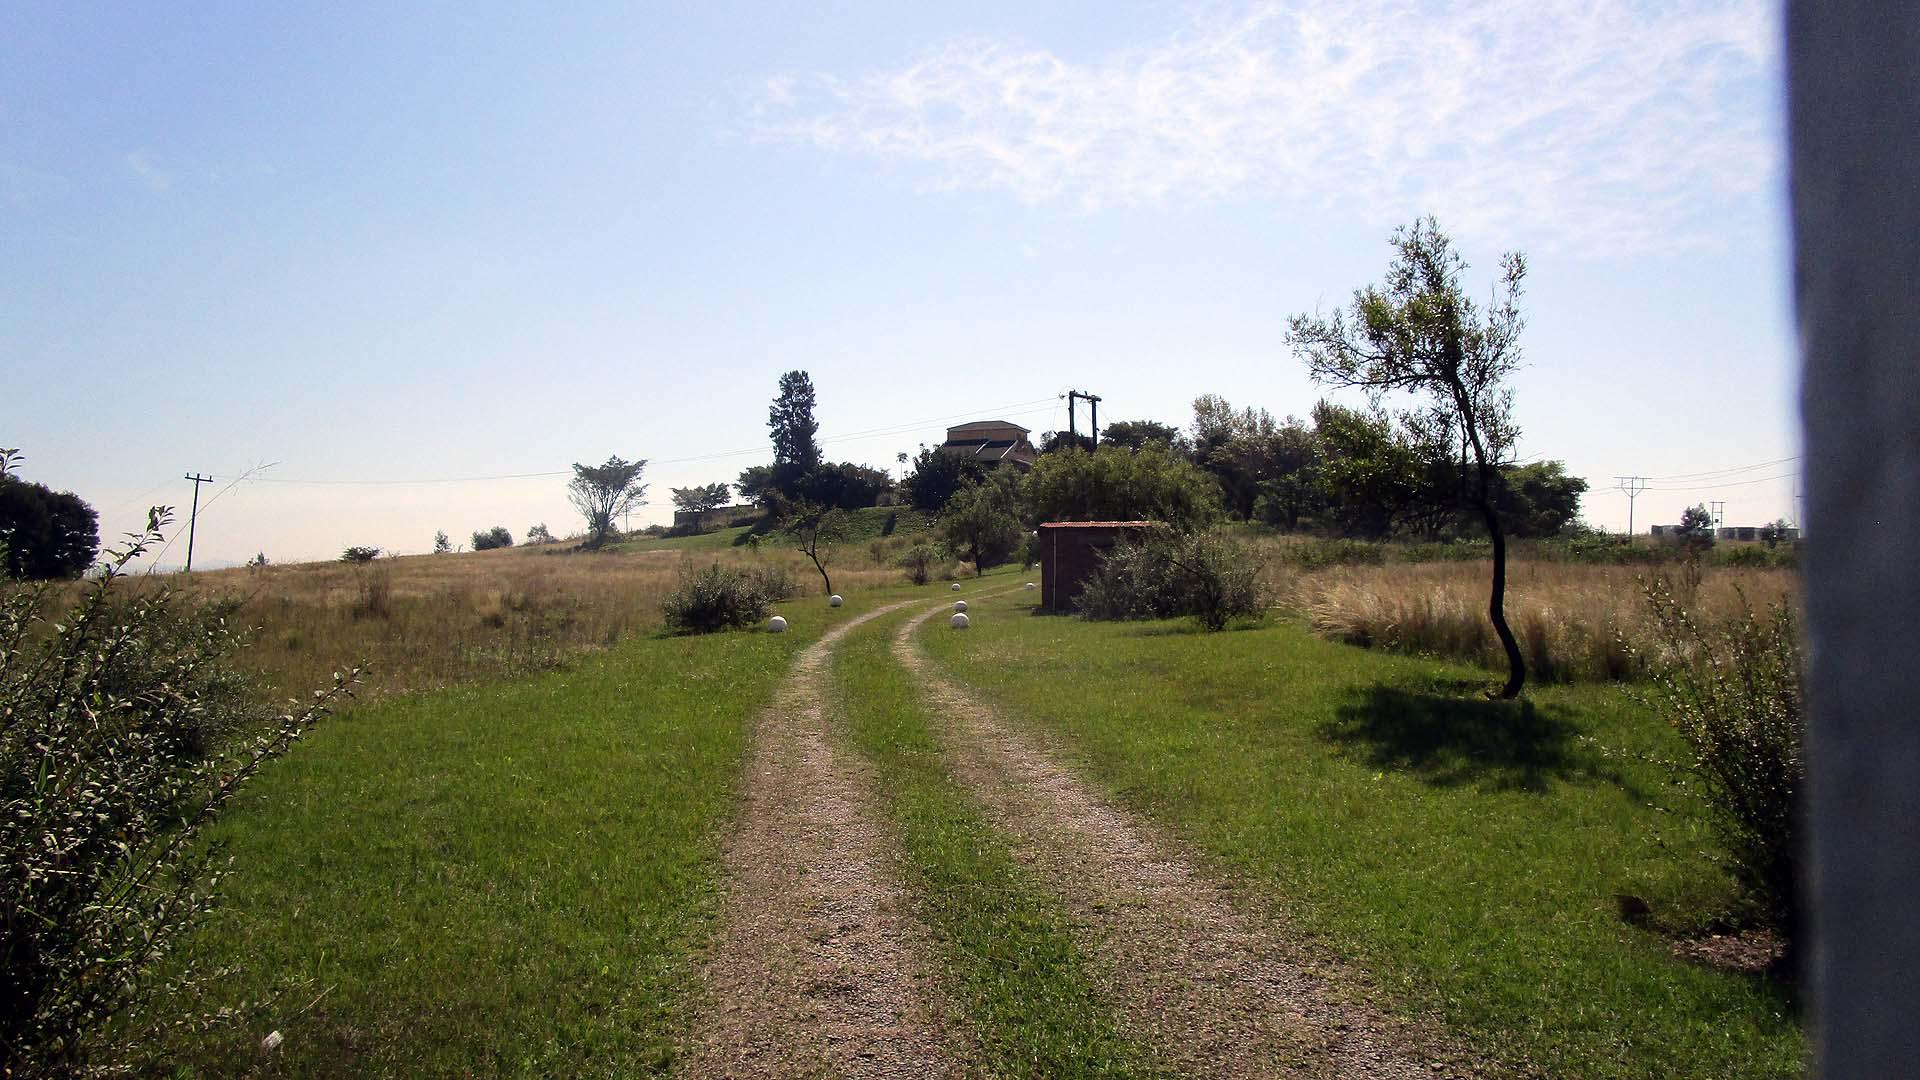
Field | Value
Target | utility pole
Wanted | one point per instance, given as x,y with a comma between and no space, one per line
1093,403
1633,486
194,518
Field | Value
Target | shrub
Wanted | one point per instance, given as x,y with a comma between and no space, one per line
496,537
921,562
1203,575
1734,692
720,598
44,534
122,736
538,534
359,554
442,543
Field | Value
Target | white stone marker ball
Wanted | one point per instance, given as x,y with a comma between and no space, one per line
959,621
956,586
959,605
834,600
777,625
1029,584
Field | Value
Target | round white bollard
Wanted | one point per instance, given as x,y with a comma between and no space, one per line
1029,584
777,625
959,621
959,605
834,600
956,586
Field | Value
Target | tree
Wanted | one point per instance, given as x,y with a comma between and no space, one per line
982,524
814,529
1696,528
845,485
1775,531
538,534
603,492
1540,499
701,497
489,539
1112,484
1367,472
937,475
442,544
796,451
1134,434
44,534
1054,442
754,484
360,553
1423,335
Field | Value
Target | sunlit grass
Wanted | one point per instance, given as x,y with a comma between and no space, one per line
1468,853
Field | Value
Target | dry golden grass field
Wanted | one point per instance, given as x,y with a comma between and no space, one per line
1575,621
427,621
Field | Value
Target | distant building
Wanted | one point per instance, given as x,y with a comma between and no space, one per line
991,441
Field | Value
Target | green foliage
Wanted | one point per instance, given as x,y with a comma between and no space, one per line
722,598
755,482
814,529
981,524
1539,499
122,737
921,561
938,475
1696,528
1112,484
1735,692
442,543
489,539
360,554
1368,473
790,421
702,497
604,492
44,534
1134,434
1204,575
844,484
538,534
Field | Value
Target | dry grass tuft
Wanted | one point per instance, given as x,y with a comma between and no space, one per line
429,621
1574,621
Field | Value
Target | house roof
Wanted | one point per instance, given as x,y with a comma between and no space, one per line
985,424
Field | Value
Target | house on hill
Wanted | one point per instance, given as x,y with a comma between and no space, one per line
992,442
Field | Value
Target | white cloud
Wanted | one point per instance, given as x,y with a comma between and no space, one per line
1619,124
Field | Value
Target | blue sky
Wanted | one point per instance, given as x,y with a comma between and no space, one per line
472,241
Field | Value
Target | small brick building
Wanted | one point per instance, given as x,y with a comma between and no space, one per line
1070,553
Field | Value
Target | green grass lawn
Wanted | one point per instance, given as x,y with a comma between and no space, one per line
1004,945
1467,853
507,879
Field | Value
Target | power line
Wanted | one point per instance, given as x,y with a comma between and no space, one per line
1729,471
1730,483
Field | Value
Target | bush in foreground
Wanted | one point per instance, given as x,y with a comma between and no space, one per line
721,598
1733,690
1203,575
122,736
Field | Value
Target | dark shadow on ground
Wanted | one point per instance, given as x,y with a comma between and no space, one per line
1452,741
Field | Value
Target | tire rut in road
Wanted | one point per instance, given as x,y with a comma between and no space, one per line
1216,992
820,969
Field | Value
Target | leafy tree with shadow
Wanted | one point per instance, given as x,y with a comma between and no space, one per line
1422,335
1112,484
938,475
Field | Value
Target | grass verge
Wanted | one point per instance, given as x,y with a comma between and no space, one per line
504,879
1469,854
1004,944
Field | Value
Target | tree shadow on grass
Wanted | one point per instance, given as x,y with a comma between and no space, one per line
1456,741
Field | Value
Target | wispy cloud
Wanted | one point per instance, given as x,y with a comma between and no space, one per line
1620,124
147,168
